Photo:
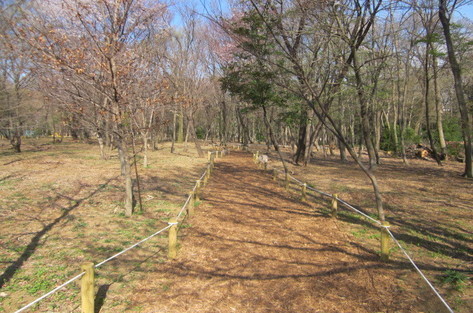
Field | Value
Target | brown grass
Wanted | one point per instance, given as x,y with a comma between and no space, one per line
430,209
61,205
252,247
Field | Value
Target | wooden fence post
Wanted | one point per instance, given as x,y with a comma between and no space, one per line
190,206
172,249
334,205
197,190
209,155
87,288
256,156
275,174
384,242
206,178
304,192
192,193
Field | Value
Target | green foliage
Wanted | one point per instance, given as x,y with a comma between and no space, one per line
200,132
456,280
452,128
387,138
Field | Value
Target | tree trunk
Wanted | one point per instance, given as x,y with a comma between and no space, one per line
180,131
100,139
427,101
126,173
302,137
457,77
173,132
194,137
273,139
145,149
438,108
365,119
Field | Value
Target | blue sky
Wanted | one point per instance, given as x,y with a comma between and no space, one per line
466,11
199,5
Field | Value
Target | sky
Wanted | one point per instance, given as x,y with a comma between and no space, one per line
466,11
199,5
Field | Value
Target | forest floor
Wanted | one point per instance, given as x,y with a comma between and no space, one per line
252,246
61,205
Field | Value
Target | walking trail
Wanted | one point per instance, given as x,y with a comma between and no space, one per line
254,247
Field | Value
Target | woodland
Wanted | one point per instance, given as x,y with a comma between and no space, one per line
352,75
359,81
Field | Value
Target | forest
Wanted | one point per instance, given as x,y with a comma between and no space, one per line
357,81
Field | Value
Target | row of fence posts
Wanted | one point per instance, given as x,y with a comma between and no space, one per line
88,279
384,238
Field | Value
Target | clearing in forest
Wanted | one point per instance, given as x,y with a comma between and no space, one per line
253,247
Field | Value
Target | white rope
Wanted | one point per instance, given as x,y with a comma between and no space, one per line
131,247
321,192
185,204
419,271
296,180
358,211
51,292
115,255
201,177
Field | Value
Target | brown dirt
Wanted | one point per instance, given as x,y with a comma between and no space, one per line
253,247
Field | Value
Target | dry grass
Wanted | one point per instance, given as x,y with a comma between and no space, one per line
252,247
60,205
430,209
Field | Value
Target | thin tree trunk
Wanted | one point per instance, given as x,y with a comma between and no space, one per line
145,149
273,140
427,102
173,132
438,108
194,137
126,173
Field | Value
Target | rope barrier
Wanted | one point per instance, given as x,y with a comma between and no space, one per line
346,204
51,292
131,247
419,271
321,192
185,204
360,212
113,256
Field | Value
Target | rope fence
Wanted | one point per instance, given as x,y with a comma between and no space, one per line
385,232
87,285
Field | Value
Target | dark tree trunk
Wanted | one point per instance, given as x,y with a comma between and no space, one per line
457,77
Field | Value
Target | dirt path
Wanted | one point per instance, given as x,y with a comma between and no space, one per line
252,247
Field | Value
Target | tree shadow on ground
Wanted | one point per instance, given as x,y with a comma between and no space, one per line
35,241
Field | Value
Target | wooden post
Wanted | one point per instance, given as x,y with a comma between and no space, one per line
197,190
172,249
334,205
209,155
87,288
256,156
192,198
190,206
206,177
304,192
275,174
384,242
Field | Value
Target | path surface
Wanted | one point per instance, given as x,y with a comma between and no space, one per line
253,247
